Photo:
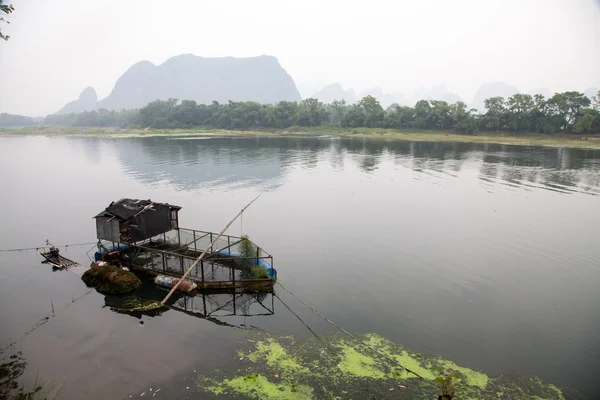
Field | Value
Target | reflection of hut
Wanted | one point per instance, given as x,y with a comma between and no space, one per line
132,220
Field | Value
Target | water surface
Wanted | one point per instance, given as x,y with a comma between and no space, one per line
486,254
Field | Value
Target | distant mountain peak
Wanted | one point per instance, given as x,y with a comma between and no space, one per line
203,79
87,101
335,91
492,89
88,95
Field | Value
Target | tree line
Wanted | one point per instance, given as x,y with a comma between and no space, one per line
521,113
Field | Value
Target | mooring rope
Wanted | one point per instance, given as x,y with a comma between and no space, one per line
54,314
297,316
345,331
47,247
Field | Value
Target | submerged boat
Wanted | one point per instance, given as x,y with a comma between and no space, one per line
57,261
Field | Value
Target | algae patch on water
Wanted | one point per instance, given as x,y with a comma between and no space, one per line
363,367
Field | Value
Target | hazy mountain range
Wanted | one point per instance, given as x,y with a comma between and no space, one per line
260,79
189,77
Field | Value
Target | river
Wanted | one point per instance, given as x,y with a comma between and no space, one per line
486,254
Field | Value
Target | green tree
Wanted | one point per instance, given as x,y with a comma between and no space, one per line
586,120
566,106
596,101
439,114
496,113
5,9
354,117
519,108
339,109
462,119
374,114
311,112
422,116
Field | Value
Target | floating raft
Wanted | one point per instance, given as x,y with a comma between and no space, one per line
58,261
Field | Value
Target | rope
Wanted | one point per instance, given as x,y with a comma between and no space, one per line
48,318
297,316
345,331
46,247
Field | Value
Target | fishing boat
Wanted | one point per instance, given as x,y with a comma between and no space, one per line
54,258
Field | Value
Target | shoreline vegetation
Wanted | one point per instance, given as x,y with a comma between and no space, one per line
569,119
528,139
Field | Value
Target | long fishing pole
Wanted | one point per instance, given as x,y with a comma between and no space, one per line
162,303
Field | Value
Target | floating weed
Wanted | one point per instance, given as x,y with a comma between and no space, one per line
360,368
358,364
276,356
472,378
413,361
256,385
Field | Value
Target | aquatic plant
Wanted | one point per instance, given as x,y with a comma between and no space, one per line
11,371
368,366
246,262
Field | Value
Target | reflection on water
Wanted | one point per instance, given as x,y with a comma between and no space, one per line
222,162
485,254
213,307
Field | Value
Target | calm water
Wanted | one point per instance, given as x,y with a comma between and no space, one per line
486,254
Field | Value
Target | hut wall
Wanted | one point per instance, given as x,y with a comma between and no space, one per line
108,230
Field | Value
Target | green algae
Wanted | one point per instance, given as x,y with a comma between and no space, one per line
275,355
258,385
402,357
473,378
368,366
358,364
556,390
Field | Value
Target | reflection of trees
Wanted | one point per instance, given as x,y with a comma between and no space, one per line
512,175
553,168
11,370
190,163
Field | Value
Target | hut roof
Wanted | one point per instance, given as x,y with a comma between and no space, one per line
127,209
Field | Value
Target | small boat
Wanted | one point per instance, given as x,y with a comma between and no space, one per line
57,261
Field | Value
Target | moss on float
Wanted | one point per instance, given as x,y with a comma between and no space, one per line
110,279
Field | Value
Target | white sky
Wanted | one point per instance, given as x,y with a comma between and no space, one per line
59,47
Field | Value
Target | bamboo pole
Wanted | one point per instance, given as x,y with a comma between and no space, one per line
205,251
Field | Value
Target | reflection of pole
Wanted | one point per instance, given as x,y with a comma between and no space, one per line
204,304
210,246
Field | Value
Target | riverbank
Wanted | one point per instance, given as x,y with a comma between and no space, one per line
562,140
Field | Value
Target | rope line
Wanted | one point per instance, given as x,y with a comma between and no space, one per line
54,314
345,331
46,247
297,316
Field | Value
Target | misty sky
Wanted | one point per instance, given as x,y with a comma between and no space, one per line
59,47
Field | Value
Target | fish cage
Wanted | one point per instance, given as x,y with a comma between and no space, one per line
226,305
145,235
232,262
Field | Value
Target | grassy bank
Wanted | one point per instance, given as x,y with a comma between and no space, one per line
556,140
